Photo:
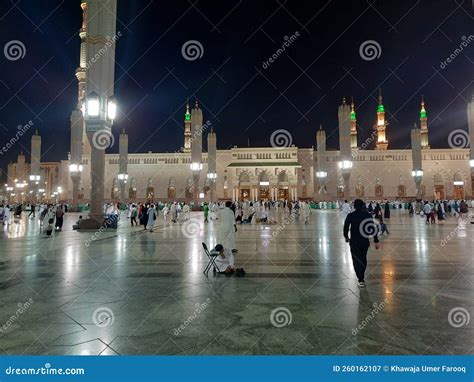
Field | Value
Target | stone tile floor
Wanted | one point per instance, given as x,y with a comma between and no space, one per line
135,292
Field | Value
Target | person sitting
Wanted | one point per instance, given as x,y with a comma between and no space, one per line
78,223
240,218
224,260
249,219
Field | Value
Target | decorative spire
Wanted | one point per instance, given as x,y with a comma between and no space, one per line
343,100
380,108
415,126
353,114
423,110
321,127
187,115
196,106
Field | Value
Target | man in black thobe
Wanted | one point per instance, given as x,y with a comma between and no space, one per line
362,226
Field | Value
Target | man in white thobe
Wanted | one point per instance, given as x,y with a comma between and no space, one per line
345,209
227,227
152,216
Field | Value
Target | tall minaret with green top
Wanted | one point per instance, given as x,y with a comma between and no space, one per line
381,126
353,126
187,130
424,126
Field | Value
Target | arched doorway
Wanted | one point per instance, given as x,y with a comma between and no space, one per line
360,189
150,190
189,190
458,186
172,188
378,188
283,186
264,186
402,189
244,186
132,189
439,186
114,191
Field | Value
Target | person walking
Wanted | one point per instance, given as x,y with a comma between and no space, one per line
59,218
386,212
206,212
361,226
133,215
32,211
152,216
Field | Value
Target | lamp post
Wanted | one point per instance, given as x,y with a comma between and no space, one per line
417,172
100,107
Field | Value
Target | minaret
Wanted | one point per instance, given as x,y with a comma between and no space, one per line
211,163
187,130
35,176
81,74
424,126
35,155
123,164
345,163
353,126
321,173
381,126
75,161
417,171
196,150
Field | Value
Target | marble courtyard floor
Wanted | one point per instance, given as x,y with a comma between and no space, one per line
135,292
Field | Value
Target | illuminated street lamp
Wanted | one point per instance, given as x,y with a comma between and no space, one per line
92,105
212,176
111,108
75,168
345,164
196,166
417,173
321,174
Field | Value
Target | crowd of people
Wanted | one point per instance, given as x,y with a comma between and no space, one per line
51,217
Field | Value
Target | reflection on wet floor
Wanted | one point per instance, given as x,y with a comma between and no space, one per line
126,291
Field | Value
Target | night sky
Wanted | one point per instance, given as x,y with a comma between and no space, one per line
244,102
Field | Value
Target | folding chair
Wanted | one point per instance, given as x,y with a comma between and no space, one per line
212,259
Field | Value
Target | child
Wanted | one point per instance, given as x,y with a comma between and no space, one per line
78,223
49,228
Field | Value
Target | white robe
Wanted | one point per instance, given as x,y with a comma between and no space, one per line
151,219
224,262
345,209
226,232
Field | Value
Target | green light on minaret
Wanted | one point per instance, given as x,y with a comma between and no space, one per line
422,114
353,115
187,117
380,109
